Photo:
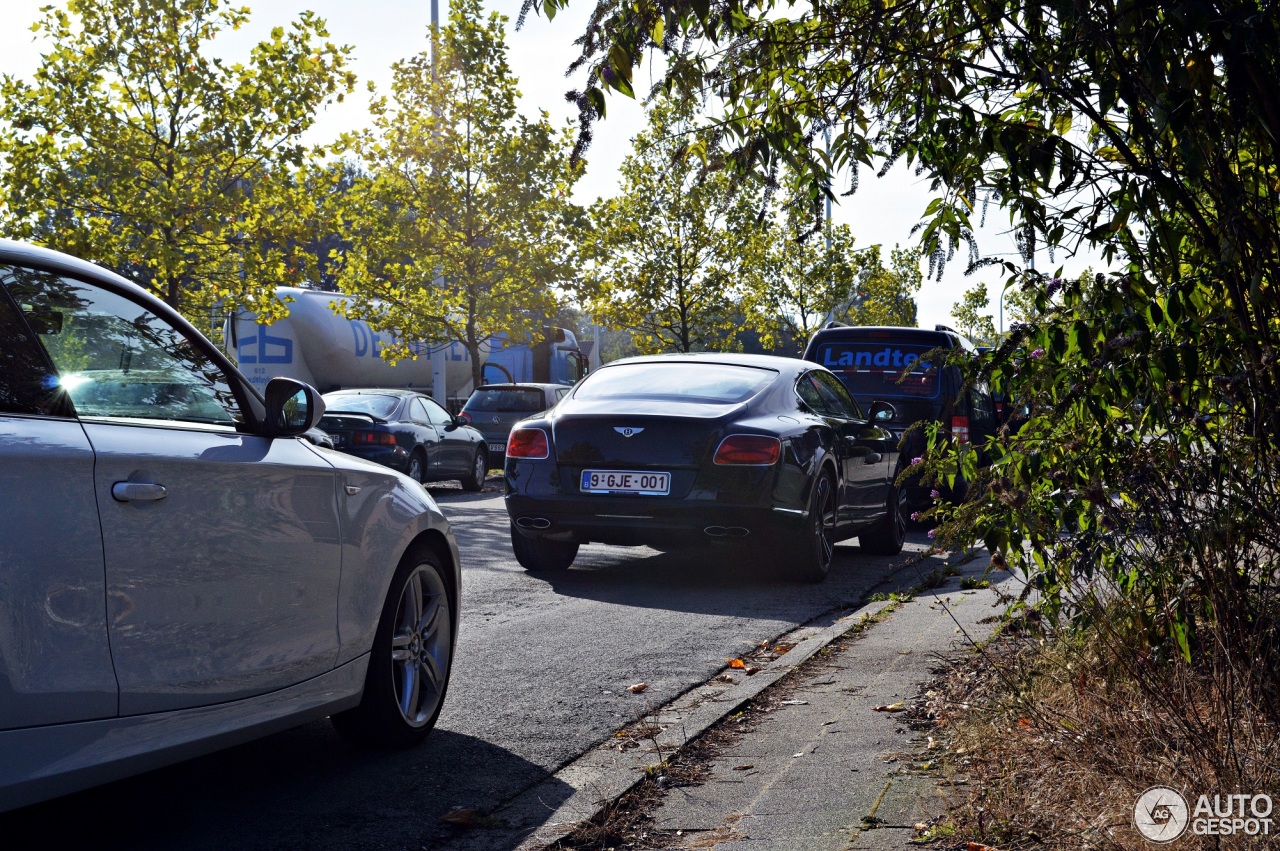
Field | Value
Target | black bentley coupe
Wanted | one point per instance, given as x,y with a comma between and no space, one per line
674,451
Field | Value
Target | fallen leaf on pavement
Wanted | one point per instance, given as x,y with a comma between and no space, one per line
736,663
752,670
890,707
747,767
795,703
637,688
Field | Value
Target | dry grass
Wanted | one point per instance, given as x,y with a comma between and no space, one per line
1051,739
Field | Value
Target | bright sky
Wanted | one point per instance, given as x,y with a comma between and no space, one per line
381,31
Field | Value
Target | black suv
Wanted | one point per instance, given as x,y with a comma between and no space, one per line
905,366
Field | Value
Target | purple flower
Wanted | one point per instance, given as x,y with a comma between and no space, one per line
917,460
915,517
933,494
1037,354
931,533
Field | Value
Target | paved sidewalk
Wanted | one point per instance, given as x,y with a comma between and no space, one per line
825,770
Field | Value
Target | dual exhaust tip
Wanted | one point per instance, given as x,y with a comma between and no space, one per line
533,523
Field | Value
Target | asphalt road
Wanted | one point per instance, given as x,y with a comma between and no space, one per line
541,674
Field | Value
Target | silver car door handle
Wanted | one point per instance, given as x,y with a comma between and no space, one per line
138,492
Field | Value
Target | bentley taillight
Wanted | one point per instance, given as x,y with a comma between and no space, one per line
748,449
529,443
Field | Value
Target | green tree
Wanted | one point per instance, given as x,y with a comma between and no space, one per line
796,279
1146,477
466,227
668,251
971,317
886,294
136,149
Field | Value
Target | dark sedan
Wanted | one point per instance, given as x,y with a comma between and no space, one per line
675,451
406,431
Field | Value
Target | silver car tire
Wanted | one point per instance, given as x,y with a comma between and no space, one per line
410,662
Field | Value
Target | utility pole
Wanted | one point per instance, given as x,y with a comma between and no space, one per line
439,390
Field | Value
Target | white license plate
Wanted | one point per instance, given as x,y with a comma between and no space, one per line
498,447
625,481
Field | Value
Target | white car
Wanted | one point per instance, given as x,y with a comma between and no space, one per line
179,570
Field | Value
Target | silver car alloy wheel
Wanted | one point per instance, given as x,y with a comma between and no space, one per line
420,645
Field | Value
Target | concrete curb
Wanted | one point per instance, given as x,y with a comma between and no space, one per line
604,773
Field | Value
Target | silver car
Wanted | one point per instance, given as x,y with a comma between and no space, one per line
179,569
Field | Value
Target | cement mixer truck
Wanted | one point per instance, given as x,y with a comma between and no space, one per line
330,352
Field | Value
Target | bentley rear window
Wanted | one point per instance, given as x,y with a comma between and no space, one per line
708,383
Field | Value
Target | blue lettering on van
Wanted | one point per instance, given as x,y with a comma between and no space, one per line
886,357
367,342
264,348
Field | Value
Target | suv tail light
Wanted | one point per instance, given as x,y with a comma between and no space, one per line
960,429
748,449
528,443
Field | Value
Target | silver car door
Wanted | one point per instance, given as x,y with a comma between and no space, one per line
55,662
222,548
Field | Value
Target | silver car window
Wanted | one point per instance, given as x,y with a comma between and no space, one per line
27,384
117,360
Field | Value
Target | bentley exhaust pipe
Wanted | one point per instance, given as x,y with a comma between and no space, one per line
727,531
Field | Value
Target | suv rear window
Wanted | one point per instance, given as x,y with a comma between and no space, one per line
880,368
507,400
